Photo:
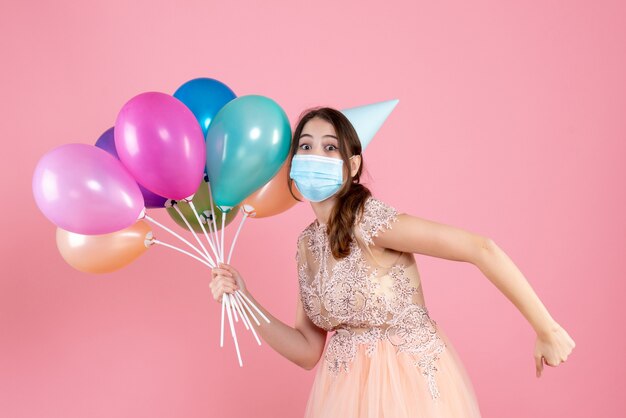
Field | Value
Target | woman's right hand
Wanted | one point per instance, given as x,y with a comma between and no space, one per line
552,348
225,279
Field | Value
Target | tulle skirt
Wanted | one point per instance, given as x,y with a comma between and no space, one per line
388,384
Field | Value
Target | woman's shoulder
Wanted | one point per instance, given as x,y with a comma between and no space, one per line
377,215
375,208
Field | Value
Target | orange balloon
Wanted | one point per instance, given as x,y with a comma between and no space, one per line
273,198
103,253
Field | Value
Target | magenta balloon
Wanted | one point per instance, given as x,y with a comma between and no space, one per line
159,140
84,189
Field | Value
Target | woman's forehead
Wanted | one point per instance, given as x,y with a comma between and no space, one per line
318,128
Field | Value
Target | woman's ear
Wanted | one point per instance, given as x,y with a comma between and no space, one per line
355,163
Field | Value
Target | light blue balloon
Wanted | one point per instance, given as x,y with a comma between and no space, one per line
247,143
204,97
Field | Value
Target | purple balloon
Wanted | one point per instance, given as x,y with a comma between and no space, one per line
160,142
83,189
107,143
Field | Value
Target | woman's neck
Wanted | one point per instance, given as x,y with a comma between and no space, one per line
323,209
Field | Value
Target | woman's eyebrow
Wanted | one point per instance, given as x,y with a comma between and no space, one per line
323,136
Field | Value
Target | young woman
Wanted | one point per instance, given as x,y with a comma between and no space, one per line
357,277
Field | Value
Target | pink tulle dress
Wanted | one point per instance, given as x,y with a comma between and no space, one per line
385,358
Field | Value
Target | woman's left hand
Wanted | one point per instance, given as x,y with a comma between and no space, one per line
553,348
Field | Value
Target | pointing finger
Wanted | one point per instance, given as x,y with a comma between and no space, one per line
538,365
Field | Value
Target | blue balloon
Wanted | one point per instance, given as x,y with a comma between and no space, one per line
247,143
204,97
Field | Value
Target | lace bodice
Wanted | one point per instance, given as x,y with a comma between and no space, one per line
372,295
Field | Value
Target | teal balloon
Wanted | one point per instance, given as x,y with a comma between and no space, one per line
247,143
204,97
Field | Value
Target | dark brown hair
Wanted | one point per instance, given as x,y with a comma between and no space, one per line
352,195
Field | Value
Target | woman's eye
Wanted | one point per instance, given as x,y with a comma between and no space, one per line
304,145
333,147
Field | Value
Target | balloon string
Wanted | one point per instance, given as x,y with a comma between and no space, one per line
253,305
245,304
193,209
232,245
213,234
223,225
226,302
229,304
232,326
175,206
215,237
222,321
244,316
232,308
213,218
233,302
156,241
225,305
176,235
209,225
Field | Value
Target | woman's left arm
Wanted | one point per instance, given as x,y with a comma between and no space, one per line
418,235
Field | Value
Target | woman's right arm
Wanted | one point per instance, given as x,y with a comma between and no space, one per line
303,344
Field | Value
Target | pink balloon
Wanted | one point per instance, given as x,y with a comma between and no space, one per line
159,140
83,189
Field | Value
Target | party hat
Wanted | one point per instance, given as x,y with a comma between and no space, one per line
368,119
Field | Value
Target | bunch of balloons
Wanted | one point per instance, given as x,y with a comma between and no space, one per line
202,153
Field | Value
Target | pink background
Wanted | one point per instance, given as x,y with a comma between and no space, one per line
510,124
